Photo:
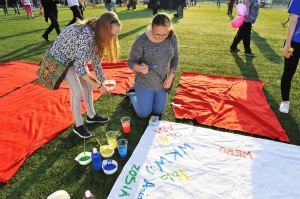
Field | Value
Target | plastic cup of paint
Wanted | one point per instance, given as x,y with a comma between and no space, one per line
112,138
109,166
125,124
122,147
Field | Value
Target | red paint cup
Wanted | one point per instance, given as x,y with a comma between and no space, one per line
125,124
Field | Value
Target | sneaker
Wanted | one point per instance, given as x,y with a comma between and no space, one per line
82,131
284,107
96,118
234,49
130,91
249,54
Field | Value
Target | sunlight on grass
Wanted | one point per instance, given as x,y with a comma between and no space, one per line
205,34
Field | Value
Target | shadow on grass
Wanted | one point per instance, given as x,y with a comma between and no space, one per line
66,143
135,14
230,17
265,48
26,52
14,18
134,31
21,34
287,121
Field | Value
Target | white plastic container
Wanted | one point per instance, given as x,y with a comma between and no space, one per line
82,154
109,166
104,150
110,84
60,194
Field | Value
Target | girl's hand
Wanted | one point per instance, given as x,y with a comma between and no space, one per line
104,90
144,68
286,51
168,82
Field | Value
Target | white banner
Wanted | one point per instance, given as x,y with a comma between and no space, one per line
175,160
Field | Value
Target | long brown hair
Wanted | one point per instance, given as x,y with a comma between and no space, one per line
162,19
107,46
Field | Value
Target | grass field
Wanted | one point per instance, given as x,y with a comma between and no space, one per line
205,34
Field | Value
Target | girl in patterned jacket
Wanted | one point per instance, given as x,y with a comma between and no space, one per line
80,43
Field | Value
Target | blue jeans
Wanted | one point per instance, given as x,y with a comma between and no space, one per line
108,6
146,102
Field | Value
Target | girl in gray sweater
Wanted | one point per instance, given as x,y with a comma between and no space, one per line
153,53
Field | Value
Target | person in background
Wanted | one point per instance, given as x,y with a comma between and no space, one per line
113,6
180,6
51,12
81,7
131,4
78,44
16,6
28,8
4,6
291,53
154,5
108,5
230,7
152,55
218,3
244,31
74,6
119,2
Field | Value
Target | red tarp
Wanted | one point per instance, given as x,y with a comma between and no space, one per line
15,74
227,102
33,115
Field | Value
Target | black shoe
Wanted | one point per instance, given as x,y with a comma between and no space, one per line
249,54
82,131
45,37
130,91
234,49
96,118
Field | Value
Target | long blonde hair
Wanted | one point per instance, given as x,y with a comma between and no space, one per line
107,46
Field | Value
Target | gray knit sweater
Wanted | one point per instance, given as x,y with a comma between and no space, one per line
162,55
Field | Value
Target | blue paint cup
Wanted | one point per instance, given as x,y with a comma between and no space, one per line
122,147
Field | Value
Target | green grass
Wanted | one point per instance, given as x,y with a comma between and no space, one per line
205,35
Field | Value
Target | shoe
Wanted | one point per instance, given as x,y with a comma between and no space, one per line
96,119
234,49
130,91
82,131
249,54
284,107
45,37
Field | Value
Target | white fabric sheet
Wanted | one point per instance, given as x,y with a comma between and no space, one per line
175,160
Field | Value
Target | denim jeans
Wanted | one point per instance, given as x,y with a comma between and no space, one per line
146,102
108,6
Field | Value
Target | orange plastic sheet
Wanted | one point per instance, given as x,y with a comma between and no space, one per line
227,102
15,74
33,115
